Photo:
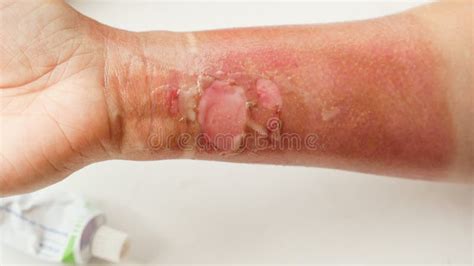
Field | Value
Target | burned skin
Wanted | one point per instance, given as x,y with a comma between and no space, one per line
371,91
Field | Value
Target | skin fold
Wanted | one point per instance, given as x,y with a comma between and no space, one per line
390,96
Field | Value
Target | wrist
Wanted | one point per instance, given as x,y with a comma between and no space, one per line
137,82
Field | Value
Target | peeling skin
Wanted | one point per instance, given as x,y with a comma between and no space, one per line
371,91
188,103
378,98
224,104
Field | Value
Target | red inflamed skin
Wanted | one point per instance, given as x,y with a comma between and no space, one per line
389,96
369,96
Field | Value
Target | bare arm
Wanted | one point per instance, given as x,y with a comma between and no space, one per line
391,96
387,96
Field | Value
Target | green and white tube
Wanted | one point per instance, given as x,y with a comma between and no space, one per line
59,227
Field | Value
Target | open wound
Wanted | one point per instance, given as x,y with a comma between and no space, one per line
229,108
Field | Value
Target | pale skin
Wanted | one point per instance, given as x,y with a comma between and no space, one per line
390,96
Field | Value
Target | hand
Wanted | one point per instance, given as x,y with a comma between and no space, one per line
73,92
53,112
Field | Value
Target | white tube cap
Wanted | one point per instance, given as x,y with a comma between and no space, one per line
109,244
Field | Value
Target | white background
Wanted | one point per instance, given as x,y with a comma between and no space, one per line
207,212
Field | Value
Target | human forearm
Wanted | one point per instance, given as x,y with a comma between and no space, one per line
371,96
